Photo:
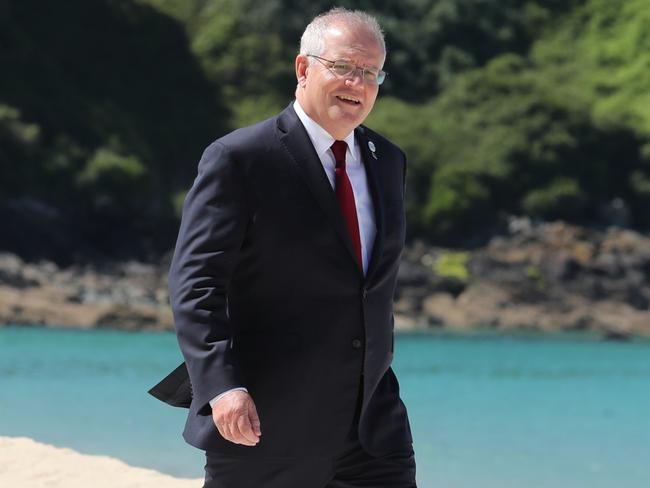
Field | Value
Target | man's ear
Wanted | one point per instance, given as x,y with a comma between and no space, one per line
302,64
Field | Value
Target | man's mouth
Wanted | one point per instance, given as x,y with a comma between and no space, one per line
349,100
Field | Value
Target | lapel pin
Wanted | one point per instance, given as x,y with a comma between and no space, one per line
371,146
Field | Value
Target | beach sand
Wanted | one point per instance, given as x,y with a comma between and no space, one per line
25,463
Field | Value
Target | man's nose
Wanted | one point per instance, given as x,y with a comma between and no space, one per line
356,77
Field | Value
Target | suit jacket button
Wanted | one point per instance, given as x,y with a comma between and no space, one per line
356,343
364,293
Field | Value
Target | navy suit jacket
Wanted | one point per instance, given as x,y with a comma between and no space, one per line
267,294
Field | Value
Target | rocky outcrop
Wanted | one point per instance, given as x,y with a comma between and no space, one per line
127,295
546,277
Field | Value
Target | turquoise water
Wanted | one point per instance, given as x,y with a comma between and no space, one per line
487,411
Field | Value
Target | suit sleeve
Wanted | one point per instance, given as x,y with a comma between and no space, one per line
213,225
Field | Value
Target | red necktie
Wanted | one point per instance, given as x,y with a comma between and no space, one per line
345,197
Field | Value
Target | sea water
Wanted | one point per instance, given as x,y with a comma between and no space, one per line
487,410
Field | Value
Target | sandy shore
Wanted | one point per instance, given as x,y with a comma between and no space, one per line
25,463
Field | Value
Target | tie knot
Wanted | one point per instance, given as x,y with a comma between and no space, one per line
338,149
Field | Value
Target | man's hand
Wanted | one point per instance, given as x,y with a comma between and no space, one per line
236,418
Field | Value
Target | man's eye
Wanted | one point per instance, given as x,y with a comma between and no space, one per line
370,75
343,68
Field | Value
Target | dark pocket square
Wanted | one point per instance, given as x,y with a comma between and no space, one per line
175,389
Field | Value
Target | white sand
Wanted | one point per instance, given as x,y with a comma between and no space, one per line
25,463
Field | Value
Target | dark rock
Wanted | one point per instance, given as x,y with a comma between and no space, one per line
413,274
608,265
638,298
617,335
615,213
560,266
12,272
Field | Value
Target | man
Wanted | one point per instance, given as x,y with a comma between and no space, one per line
283,278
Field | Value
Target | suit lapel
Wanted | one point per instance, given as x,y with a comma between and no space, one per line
294,138
371,163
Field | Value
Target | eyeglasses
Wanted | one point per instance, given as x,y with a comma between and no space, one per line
340,67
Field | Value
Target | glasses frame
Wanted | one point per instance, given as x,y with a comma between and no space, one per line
380,74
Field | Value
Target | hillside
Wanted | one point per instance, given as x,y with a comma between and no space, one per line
521,108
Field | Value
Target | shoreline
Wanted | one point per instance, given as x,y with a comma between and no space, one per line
476,333
27,463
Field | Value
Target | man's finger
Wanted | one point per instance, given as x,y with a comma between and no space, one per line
225,426
246,429
236,436
254,419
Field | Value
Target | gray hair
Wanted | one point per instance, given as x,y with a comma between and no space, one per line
313,42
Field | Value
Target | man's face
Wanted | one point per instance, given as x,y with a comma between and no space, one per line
339,103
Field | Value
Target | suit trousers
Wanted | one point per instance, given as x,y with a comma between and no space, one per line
351,467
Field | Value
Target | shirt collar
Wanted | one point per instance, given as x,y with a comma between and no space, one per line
321,139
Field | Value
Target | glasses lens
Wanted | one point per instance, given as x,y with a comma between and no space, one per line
374,77
343,69
371,76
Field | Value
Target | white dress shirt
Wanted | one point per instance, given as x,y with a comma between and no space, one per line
322,142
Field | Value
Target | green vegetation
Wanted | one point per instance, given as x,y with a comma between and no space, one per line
452,264
555,133
538,108
535,275
116,97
